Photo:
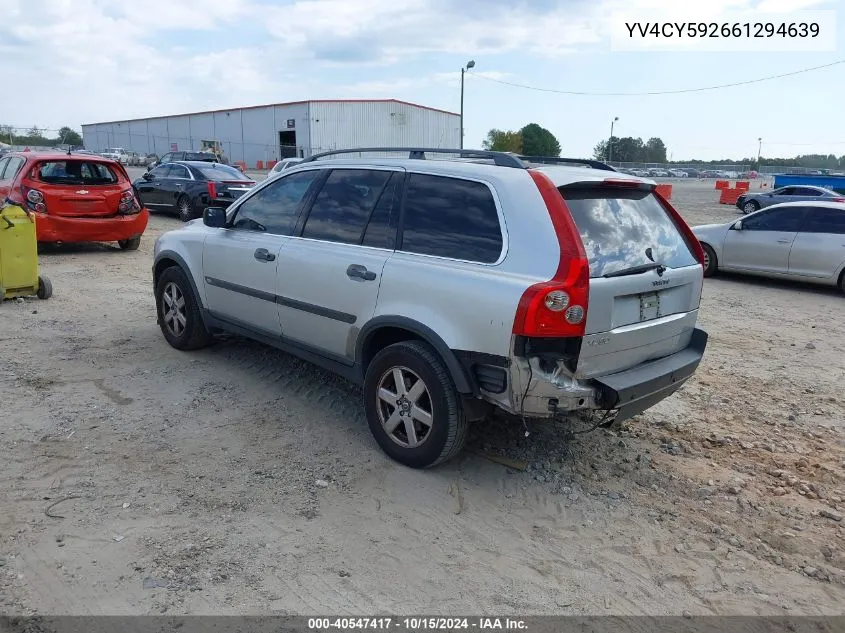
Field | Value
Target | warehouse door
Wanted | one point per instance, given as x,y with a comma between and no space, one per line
287,144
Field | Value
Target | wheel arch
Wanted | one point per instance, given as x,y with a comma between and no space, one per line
169,259
382,331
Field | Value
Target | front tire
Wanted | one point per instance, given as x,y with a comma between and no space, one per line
185,209
413,409
750,207
710,262
131,244
178,311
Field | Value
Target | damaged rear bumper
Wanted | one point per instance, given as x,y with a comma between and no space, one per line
539,393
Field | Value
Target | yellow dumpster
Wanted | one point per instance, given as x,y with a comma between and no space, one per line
19,255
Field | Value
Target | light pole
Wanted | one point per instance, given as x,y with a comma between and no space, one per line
610,140
470,64
759,147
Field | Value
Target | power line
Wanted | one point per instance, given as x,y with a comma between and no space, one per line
658,92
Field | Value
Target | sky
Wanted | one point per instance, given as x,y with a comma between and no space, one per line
70,62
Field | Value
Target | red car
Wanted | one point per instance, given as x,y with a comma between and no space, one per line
75,197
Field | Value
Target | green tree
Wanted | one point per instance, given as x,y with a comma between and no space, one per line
503,141
538,141
68,136
655,151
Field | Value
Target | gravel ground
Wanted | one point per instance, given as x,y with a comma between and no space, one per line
136,479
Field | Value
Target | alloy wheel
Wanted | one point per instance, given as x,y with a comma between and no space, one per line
175,314
404,407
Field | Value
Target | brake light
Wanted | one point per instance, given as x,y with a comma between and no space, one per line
128,203
837,199
33,199
558,307
683,227
212,189
622,182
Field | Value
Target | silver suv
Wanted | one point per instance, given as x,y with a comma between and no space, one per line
446,287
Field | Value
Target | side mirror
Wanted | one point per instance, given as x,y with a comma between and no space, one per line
737,226
148,176
214,217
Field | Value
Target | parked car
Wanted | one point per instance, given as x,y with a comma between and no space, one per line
656,172
188,187
692,172
75,197
750,202
285,163
117,154
641,173
447,288
170,157
677,173
794,240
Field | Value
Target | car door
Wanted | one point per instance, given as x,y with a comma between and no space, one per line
764,240
330,271
819,247
149,188
240,261
784,194
173,184
804,194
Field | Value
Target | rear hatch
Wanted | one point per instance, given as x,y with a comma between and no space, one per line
645,280
75,187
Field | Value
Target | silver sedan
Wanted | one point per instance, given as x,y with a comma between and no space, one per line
797,240
750,202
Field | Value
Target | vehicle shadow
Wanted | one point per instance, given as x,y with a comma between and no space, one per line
776,284
74,248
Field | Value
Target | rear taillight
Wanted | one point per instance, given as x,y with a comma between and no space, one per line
558,307
683,227
837,199
212,189
128,203
33,199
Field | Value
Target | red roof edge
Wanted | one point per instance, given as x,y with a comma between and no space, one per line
273,105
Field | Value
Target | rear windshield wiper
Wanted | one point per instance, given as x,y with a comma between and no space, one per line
636,270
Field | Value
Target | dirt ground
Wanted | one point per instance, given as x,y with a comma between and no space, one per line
136,479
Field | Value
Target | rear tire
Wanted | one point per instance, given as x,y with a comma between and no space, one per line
711,264
185,209
407,387
178,311
45,288
131,244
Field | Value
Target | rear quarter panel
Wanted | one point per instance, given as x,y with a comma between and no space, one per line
187,242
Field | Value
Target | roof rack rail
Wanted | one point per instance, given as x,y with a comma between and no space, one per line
502,159
551,160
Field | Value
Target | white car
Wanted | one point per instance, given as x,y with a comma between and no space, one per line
116,153
802,241
285,163
678,173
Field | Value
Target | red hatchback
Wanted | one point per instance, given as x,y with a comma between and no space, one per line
75,197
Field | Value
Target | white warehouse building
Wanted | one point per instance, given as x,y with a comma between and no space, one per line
270,132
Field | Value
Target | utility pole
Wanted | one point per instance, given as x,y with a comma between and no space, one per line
470,64
759,147
610,140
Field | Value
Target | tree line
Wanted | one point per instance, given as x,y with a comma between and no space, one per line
35,136
532,140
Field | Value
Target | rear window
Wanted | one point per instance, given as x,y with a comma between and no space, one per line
76,172
200,156
618,228
217,171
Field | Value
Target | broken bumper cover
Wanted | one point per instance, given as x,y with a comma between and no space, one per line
628,392
633,391
56,228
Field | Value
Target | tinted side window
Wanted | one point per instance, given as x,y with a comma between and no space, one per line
344,204
381,229
178,171
806,191
3,163
274,209
451,218
788,219
162,171
825,221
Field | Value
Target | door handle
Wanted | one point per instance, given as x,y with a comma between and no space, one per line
263,255
784,241
360,272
